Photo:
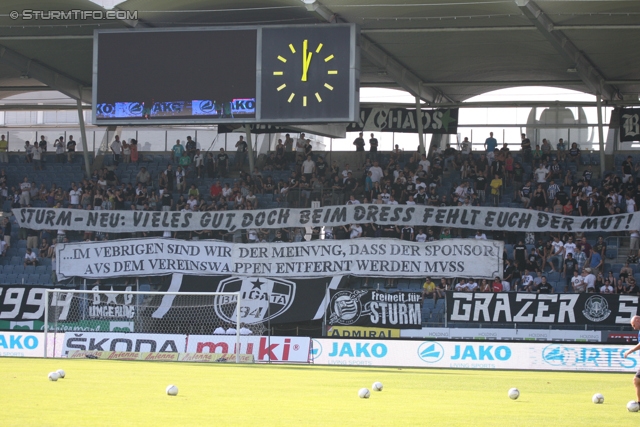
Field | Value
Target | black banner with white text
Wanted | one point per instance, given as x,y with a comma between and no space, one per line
542,309
385,119
398,310
630,124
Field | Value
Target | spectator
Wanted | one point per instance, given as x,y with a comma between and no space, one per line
607,288
359,142
373,146
126,152
60,147
557,256
545,287
116,148
496,185
561,147
596,262
429,290
177,151
223,163
191,146
198,162
574,153
4,149
71,149
30,258
589,280
496,285
143,177
527,281
133,148
181,179
241,153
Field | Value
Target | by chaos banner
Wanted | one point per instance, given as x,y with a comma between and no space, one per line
630,124
320,258
547,309
399,310
477,218
381,119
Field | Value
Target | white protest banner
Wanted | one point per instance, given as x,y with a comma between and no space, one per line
358,257
477,218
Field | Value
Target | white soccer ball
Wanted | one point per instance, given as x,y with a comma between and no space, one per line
364,393
53,376
597,398
514,393
61,373
172,390
377,386
633,406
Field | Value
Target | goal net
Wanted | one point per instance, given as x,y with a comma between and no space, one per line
138,321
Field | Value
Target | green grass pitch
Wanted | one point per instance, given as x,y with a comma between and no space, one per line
117,393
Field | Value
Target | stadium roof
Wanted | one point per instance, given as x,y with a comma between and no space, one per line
443,50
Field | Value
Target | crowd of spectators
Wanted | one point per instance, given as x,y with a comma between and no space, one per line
542,178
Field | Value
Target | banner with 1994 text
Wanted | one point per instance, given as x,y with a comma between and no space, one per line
477,218
320,258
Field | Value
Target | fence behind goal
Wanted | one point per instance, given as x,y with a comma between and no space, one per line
145,313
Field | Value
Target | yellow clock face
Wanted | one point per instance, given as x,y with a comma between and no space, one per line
308,90
307,73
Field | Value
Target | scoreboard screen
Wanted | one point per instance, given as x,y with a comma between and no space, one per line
226,75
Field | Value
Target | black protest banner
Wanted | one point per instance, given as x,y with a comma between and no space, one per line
477,218
541,309
630,124
382,119
22,303
262,298
399,310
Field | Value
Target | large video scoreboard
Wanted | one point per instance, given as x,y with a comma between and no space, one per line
258,74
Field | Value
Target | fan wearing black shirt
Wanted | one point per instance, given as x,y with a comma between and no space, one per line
321,167
520,253
223,163
570,266
406,233
545,287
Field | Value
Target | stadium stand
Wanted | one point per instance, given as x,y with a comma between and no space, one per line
280,181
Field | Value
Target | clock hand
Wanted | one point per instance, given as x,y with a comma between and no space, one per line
306,60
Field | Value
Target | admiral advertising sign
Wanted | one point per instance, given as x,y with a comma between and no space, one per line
400,310
556,309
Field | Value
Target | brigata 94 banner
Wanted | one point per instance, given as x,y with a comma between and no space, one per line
477,218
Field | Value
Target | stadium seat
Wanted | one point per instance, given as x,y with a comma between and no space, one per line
29,269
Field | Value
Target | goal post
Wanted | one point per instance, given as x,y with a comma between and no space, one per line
153,313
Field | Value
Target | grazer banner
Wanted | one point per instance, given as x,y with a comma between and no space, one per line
378,257
630,124
541,309
384,119
477,218
399,310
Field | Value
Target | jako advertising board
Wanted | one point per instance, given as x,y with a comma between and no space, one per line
474,355
16,344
